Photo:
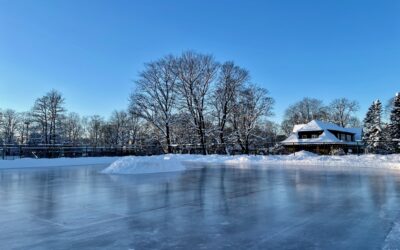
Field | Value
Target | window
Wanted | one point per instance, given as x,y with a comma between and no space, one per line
348,137
314,136
342,137
304,137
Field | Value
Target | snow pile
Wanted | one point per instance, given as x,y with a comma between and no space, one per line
303,154
145,165
55,162
171,163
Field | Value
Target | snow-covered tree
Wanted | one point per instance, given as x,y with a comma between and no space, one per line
372,131
302,112
196,74
342,111
9,125
231,80
253,104
394,125
154,98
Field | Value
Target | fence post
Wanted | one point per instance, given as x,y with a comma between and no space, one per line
358,150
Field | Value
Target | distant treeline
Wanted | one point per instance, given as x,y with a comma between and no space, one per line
189,99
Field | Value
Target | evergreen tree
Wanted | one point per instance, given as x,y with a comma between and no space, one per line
394,126
372,131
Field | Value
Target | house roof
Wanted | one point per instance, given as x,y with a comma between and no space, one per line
297,127
325,137
316,125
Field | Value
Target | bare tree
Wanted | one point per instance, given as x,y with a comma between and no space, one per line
40,113
287,126
108,134
56,110
10,124
342,111
196,72
120,120
134,128
304,111
230,81
155,97
73,128
354,122
24,127
252,105
184,132
48,112
95,125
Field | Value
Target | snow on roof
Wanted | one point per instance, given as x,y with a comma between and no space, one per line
297,127
326,136
316,125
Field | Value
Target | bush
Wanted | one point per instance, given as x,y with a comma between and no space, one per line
338,151
278,149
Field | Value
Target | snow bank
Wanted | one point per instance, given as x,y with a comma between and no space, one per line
173,163
303,154
56,162
170,163
145,165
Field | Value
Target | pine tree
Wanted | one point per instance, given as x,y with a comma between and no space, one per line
372,131
394,125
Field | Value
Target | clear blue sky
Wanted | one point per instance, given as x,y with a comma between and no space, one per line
92,50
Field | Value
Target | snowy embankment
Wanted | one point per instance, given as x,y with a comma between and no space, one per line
170,163
55,162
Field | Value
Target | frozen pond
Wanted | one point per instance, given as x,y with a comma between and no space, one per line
208,208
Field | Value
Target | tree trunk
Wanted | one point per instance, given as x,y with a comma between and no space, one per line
202,140
202,126
168,138
222,140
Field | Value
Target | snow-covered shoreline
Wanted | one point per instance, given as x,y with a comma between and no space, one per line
55,162
171,163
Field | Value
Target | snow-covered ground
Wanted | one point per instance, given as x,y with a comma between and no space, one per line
170,163
55,162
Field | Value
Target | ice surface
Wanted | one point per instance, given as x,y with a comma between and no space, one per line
207,208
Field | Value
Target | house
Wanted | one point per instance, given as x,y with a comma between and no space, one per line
323,137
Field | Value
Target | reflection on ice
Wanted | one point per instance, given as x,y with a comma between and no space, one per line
213,207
